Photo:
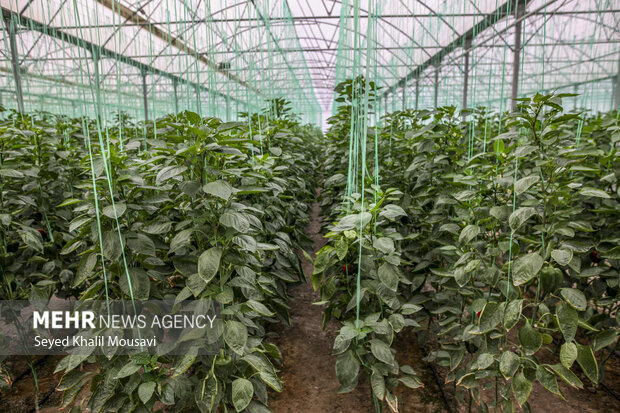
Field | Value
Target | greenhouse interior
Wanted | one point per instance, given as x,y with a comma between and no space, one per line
310,206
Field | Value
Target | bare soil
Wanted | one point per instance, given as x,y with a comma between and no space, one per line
308,374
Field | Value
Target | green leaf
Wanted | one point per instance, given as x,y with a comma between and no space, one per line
604,339
341,247
568,354
209,263
10,173
524,184
377,383
593,192
142,244
169,172
181,239
568,320
587,362
508,364
236,336
562,256
185,362
526,267
111,246
547,379
235,220
512,313
567,375
246,242
521,388
490,316
530,339
575,298
109,210
388,276
140,283
383,244
468,233
520,216
69,201
259,308
219,188
145,391
32,238
242,393
127,370
347,371
381,351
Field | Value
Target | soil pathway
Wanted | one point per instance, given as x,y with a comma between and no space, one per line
310,383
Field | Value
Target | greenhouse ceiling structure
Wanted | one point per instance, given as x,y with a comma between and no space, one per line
152,57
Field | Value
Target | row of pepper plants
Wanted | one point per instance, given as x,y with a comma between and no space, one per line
179,209
495,240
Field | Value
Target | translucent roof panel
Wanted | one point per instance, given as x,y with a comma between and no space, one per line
220,57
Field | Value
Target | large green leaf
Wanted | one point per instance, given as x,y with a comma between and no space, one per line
140,284
519,216
587,362
383,244
236,336
209,263
388,275
547,379
242,392
236,220
381,351
562,256
568,354
521,388
508,364
145,391
347,371
490,316
525,183
219,188
530,339
575,298
469,233
526,267
568,320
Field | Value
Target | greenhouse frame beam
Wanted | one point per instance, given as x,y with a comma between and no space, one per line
277,44
314,19
488,21
96,58
617,88
116,7
145,100
10,25
466,72
517,54
34,25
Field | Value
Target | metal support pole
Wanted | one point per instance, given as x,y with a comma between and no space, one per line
403,99
517,53
227,109
436,84
417,92
575,89
617,91
10,24
97,82
144,96
197,100
176,96
466,71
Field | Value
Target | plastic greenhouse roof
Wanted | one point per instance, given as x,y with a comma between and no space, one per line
250,50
